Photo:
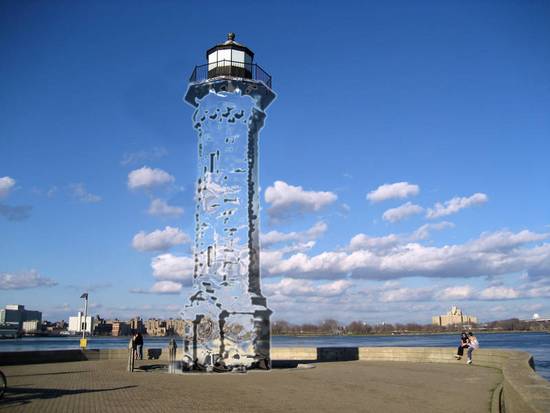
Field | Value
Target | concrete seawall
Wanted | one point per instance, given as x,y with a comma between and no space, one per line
522,389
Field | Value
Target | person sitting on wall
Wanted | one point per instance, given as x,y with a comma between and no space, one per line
473,344
464,343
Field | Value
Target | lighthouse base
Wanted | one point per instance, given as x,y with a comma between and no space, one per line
223,340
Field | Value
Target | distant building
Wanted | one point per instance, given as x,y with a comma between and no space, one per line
170,327
31,327
175,327
15,314
120,328
102,327
156,327
80,323
136,324
453,317
55,328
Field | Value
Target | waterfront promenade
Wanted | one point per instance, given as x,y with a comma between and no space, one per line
358,386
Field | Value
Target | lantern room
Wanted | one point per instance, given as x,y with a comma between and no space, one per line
230,59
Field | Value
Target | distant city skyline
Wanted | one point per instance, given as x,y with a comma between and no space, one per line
159,326
404,169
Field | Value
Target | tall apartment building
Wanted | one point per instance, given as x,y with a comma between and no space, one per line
453,317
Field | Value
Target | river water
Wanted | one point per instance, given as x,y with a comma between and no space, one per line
538,344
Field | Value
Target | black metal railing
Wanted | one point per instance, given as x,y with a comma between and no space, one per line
230,68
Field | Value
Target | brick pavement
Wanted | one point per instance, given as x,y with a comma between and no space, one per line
104,386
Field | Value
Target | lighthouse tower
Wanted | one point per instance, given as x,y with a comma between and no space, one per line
227,319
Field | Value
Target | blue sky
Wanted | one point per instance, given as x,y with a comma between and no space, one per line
438,110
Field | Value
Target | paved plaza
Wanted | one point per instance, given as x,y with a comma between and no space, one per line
357,386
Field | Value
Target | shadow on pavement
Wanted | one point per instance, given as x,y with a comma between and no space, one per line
152,367
26,395
289,364
47,374
275,364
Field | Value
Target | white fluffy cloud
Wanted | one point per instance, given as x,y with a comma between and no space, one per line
386,242
401,212
286,200
405,294
160,208
506,240
275,237
146,178
460,292
160,287
159,240
170,267
455,204
269,257
392,191
166,287
295,288
363,241
424,231
498,293
495,253
25,279
6,185
457,293
79,192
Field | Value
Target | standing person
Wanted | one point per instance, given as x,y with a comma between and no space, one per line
139,344
463,344
473,344
134,345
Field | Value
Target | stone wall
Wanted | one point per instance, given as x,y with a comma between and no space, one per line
36,357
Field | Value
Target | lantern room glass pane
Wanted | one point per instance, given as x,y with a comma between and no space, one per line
224,57
237,57
212,60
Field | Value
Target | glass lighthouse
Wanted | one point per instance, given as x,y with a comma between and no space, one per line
227,319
